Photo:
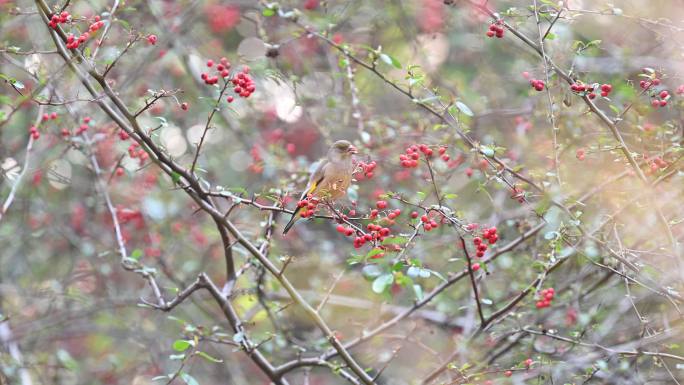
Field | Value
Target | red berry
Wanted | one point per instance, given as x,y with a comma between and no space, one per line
152,39
508,373
414,214
476,266
210,63
184,106
664,94
381,205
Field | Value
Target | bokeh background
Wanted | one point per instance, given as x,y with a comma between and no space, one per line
70,314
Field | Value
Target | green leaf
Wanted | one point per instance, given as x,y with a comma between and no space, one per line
136,254
413,271
438,275
209,358
487,151
382,282
394,241
371,271
67,360
268,12
551,36
190,380
464,109
374,252
182,345
418,291
390,60
123,23
175,177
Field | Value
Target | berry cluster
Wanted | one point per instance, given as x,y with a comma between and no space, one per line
588,90
580,154
244,85
410,158
496,29
34,132
490,235
376,233
606,89
518,193
308,206
61,18
123,135
342,229
135,152
74,42
81,129
660,99
257,165
657,163
365,170
647,84
222,69
442,153
545,298
537,84
429,223
47,117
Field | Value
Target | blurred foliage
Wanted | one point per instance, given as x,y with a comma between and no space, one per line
70,314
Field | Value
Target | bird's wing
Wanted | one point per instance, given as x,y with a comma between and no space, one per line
315,178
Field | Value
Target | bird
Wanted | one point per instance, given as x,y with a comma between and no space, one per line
331,178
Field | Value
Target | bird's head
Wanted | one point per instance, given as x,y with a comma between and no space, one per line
342,149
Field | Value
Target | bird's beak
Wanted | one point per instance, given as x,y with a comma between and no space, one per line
352,150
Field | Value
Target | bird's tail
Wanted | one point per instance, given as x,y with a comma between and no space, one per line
292,221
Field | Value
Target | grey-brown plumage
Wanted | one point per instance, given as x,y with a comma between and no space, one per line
331,178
